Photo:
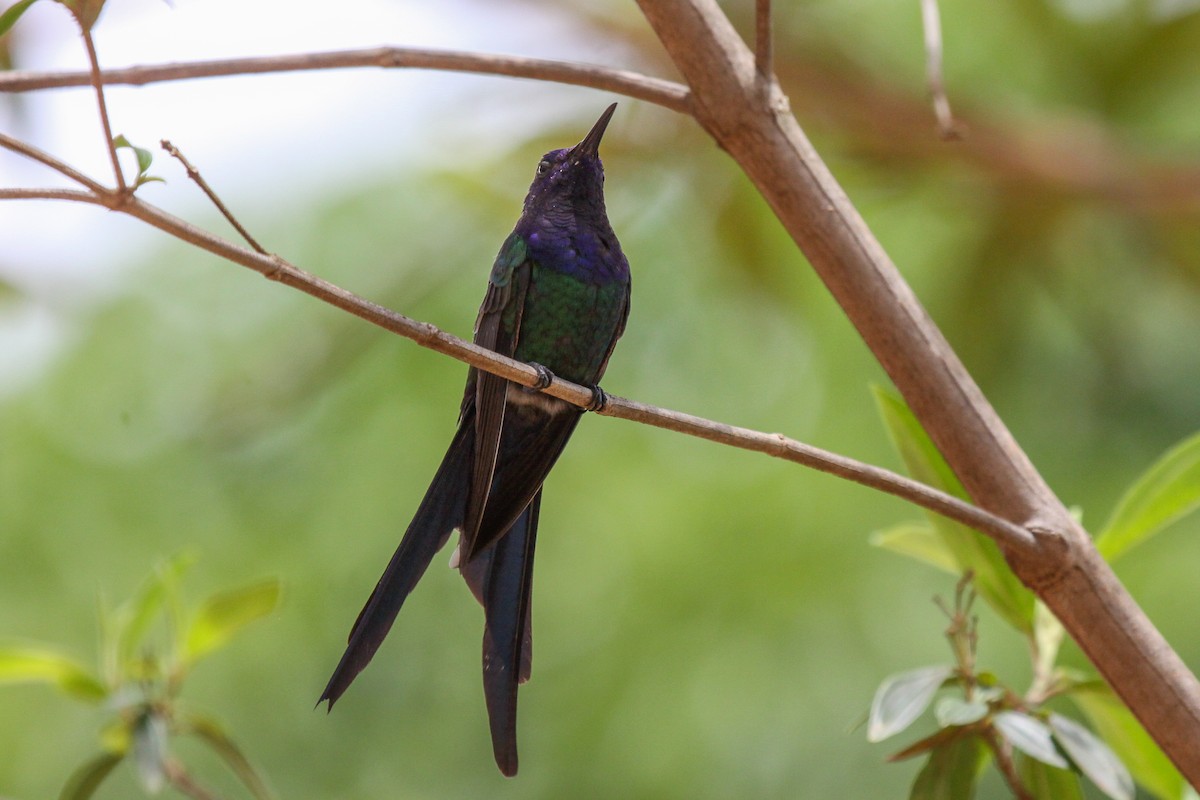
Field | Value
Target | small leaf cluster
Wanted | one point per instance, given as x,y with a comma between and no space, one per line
144,159
148,646
1040,753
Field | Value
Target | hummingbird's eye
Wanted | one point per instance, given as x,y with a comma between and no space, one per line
543,167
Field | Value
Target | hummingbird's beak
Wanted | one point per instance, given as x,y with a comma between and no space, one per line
591,143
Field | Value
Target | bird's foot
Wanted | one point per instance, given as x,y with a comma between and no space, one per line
599,399
544,378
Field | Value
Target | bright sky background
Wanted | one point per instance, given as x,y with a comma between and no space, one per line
262,141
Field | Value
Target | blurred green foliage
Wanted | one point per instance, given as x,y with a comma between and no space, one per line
709,623
148,646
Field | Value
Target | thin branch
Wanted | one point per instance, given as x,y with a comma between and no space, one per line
195,175
97,82
632,84
1004,761
178,776
763,55
931,21
42,157
74,195
1006,534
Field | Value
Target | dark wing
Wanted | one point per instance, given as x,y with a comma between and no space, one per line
616,334
440,512
498,329
533,439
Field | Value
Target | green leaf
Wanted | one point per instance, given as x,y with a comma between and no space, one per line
144,159
134,617
902,698
917,541
1045,782
35,665
956,711
84,781
1047,638
150,751
1125,735
951,771
1168,490
971,549
117,736
222,615
211,733
1093,757
1029,735
12,14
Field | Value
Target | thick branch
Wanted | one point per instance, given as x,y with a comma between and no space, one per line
652,90
753,123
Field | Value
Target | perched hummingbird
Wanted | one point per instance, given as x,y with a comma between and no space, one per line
557,297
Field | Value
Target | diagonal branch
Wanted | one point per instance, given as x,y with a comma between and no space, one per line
97,81
198,179
429,336
632,84
42,157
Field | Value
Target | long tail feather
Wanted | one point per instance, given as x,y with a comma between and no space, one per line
508,632
440,512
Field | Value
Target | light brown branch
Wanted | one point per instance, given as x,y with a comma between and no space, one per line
178,776
427,335
1004,761
641,87
195,175
73,195
42,157
97,82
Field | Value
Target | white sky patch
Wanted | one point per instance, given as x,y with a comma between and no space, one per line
266,143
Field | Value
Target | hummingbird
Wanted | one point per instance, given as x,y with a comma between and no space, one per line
557,298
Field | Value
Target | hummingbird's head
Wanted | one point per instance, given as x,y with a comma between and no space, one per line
571,179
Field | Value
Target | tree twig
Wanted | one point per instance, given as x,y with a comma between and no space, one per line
42,157
97,80
631,84
73,195
931,22
1004,761
178,776
195,175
